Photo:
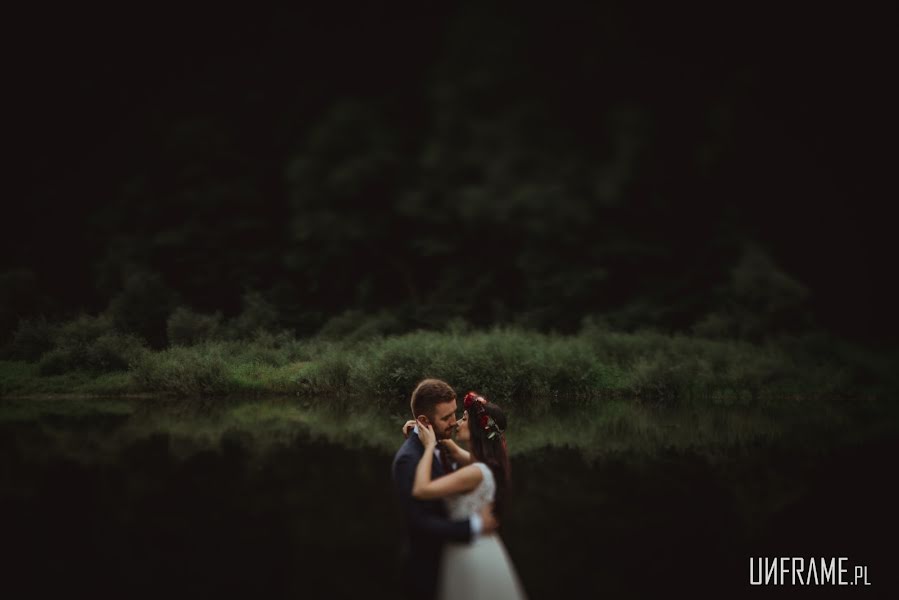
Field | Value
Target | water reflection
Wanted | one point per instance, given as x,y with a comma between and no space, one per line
278,498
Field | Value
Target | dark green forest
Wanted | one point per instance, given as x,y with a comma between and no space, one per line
687,170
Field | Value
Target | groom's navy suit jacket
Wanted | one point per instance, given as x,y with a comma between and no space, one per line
427,522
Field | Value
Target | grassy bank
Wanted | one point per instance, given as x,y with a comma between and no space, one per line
22,378
527,370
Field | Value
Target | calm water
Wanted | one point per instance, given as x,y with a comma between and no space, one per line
274,500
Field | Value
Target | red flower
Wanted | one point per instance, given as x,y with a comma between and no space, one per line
471,398
484,421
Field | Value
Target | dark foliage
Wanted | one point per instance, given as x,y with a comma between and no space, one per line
525,168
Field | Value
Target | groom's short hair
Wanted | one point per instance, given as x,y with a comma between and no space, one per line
428,394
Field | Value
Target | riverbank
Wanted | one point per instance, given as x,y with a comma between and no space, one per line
532,372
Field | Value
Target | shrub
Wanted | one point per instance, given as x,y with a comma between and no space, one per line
331,373
31,339
85,329
258,315
143,307
517,368
398,364
509,366
264,348
91,344
261,353
569,367
55,362
187,328
115,352
197,371
658,382
715,325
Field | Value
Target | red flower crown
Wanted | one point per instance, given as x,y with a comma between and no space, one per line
475,405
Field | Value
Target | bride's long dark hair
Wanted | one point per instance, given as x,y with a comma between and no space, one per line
491,450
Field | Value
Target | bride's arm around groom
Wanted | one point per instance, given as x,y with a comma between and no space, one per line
428,526
424,519
457,453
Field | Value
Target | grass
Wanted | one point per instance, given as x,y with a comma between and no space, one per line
529,372
20,378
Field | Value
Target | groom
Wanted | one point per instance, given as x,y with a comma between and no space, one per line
434,404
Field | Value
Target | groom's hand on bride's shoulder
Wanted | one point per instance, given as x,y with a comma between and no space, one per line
408,427
489,523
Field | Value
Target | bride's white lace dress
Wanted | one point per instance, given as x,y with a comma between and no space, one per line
481,569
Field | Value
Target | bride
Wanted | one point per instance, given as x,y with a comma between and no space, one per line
481,569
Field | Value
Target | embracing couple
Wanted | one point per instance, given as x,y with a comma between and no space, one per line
450,496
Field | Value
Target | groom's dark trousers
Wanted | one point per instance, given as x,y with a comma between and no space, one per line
426,520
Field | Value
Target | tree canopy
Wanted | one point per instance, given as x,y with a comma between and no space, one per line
676,169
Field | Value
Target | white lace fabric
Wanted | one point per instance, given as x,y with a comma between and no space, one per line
465,505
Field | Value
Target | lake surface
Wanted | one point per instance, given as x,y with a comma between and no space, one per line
280,499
